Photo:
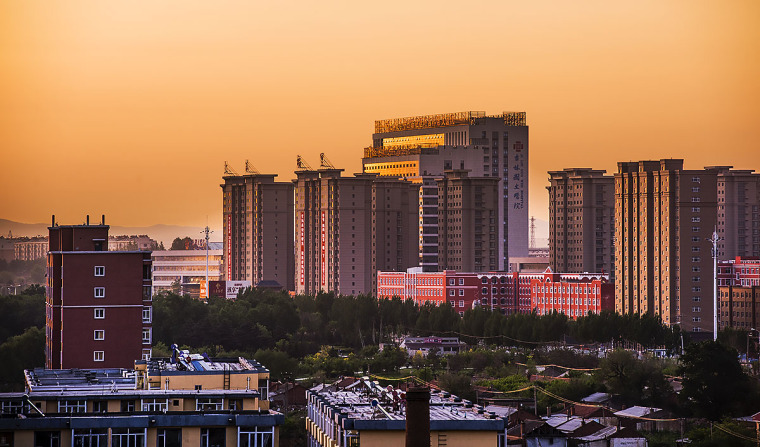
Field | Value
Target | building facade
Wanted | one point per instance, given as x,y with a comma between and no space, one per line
468,229
184,271
98,303
573,294
581,221
258,229
30,248
347,228
214,402
665,216
738,212
422,148
739,293
131,243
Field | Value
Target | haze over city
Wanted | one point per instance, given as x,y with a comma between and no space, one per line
130,109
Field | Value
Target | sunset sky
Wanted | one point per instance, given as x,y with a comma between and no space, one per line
130,108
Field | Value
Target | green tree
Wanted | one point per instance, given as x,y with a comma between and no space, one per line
25,351
714,385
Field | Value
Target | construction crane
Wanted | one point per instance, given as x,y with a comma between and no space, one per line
228,169
250,169
324,162
532,232
301,163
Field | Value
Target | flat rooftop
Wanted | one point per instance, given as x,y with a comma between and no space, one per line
200,364
353,405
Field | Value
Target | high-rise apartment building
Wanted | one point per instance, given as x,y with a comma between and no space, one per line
468,222
422,148
395,205
581,221
663,265
738,212
258,229
348,228
98,308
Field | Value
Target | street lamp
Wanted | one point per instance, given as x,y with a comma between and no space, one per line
207,231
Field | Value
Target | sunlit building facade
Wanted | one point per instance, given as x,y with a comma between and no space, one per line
422,148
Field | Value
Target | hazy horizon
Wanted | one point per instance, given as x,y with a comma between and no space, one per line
130,109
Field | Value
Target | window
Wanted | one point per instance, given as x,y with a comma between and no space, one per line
484,290
97,437
257,437
127,406
155,404
146,314
461,281
100,292
461,303
146,335
100,406
212,437
100,313
209,404
98,356
72,406
461,292
127,437
169,437
100,270
99,335
452,292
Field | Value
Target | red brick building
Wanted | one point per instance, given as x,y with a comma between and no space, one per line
738,293
574,294
98,302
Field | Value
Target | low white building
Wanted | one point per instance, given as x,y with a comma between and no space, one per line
182,271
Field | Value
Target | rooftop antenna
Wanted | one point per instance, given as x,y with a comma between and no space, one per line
532,232
228,169
301,163
207,231
250,169
324,162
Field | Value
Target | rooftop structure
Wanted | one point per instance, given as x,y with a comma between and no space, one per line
200,401
373,415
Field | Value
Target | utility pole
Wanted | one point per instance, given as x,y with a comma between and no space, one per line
714,240
207,231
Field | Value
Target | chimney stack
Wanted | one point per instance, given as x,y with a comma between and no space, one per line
53,221
88,219
103,219
417,417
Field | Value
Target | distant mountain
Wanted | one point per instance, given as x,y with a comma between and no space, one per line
161,233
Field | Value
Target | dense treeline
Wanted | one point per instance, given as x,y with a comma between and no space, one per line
299,326
22,336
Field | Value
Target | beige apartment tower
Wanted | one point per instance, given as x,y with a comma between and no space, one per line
738,213
348,228
581,221
663,264
258,230
468,222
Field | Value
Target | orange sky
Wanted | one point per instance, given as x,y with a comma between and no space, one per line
130,108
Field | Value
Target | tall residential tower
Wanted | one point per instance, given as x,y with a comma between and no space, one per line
421,148
581,221
258,229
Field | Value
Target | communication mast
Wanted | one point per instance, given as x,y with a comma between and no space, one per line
250,169
301,163
532,232
324,162
228,169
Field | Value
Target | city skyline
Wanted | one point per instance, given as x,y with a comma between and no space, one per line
132,109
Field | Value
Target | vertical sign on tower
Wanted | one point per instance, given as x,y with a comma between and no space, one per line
323,254
302,250
229,246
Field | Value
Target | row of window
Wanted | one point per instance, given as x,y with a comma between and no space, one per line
165,437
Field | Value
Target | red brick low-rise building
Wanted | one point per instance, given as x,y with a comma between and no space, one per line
738,293
574,294
98,302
